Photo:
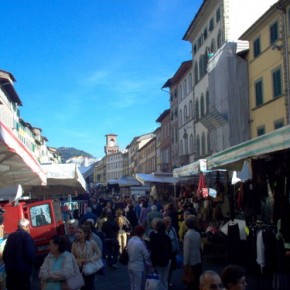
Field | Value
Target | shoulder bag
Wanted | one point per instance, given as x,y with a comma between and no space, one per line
153,281
76,281
93,267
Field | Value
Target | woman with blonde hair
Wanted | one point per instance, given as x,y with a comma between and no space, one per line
124,229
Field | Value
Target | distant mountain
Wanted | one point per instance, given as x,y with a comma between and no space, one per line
69,152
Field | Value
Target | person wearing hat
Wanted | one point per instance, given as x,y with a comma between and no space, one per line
139,259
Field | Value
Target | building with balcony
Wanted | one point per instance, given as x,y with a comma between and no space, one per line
181,115
217,22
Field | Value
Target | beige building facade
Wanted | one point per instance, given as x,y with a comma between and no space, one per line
268,63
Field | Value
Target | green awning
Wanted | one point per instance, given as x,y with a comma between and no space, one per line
233,157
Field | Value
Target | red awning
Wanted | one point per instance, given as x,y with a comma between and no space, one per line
17,163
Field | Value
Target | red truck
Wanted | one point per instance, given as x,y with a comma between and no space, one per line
45,218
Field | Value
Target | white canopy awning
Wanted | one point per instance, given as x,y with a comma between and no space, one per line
190,169
125,181
156,178
62,179
128,181
233,157
17,163
64,175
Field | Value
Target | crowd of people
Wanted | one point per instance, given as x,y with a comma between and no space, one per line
156,236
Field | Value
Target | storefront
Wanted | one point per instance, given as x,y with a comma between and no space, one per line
261,197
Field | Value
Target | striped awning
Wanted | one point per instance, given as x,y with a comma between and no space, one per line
233,157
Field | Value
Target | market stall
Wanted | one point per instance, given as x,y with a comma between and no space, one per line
163,185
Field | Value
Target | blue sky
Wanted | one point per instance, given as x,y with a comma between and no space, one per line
86,68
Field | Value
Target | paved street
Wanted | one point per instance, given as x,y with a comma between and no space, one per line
119,279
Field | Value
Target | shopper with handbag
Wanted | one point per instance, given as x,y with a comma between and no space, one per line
192,254
161,250
59,267
139,259
88,256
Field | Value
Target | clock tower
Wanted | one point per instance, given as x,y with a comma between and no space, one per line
111,144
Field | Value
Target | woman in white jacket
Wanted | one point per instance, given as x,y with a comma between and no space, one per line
192,250
139,259
58,265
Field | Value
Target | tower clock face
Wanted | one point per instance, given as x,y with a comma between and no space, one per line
112,143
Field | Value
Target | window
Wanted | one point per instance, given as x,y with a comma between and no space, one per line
257,47
259,93
211,24
195,73
190,109
278,124
185,114
273,32
190,82
219,39
181,148
185,147
201,67
196,110
194,49
205,34
212,46
191,143
180,93
260,130
197,146
184,88
201,105
218,15
40,215
208,143
203,144
277,83
207,101
180,117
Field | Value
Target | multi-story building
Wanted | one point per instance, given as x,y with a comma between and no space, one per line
165,141
181,115
100,172
133,150
114,165
216,22
125,163
10,102
157,134
147,157
268,64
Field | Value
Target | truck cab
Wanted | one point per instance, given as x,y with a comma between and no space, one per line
45,218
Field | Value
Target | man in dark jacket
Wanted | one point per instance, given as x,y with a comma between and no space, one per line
18,257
